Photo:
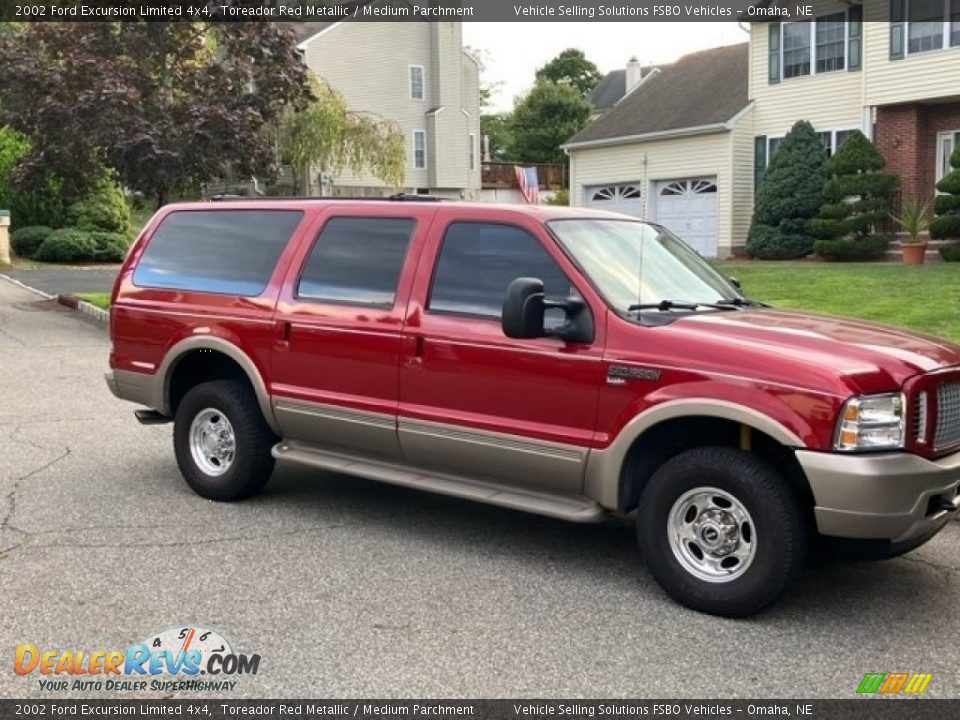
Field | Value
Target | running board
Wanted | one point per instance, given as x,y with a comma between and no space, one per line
564,507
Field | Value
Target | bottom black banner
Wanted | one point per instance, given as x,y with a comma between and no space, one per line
865,708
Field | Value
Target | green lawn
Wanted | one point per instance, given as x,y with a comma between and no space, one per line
101,300
925,297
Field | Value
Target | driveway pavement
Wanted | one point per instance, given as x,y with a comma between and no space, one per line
55,280
350,588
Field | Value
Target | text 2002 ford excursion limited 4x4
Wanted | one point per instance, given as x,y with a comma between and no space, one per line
559,361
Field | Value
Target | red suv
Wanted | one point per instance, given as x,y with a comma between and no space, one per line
561,361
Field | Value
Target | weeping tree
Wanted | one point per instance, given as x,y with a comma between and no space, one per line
856,201
324,136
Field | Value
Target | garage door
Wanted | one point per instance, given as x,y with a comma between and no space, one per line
689,209
623,198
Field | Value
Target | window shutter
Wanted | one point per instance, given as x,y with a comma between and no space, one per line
759,161
774,49
854,37
898,29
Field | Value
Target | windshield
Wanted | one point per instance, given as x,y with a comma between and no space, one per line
631,262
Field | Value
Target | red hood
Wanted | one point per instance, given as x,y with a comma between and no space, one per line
863,352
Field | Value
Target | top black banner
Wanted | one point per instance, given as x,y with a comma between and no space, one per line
405,10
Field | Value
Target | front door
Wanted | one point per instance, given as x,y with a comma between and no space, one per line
474,402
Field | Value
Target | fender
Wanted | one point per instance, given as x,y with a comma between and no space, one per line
218,344
602,479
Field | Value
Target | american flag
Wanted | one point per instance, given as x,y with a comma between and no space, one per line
528,183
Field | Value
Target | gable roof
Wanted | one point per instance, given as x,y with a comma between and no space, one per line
609,90
303,31
702,89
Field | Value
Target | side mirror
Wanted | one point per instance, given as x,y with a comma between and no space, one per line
523,309
735,282
525,306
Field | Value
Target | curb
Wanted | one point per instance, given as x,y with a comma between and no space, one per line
24,286
72,301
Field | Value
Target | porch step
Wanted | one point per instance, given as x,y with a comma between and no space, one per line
932,254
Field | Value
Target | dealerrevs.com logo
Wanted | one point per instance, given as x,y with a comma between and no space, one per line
178,659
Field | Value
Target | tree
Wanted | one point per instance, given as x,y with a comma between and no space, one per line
324,135
167,105
41,205
946,224
790,196
543,119
571,67
497,129
856,198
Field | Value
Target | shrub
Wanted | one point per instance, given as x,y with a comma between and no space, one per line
109,247
26,240
855,200
103,208
80,245
869,247
789,197
947,207
950,253
560,197
67,245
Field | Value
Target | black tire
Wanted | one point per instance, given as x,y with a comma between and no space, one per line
251,464
778,529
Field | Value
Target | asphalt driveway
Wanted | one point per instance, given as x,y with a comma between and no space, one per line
56,280
350,588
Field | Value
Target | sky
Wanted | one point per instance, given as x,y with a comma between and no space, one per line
513,51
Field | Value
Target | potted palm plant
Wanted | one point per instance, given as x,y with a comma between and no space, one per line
914,219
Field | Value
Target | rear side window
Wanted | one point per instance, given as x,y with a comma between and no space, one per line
356,260
478,261
219,251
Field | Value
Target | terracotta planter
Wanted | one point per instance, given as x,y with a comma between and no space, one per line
913,253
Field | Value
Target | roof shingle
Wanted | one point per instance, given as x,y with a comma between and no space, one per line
703,88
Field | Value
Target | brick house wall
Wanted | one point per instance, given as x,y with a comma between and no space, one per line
906,136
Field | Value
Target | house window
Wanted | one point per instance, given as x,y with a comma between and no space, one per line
831,139
416,82
816,47
473,151
419,149
946,142
831,36
796,49
932,24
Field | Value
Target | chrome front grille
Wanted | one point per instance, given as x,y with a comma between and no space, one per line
948,416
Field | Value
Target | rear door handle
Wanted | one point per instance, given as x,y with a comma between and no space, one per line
413,348
283,330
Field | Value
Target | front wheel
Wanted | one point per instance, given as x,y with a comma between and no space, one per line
221,441
721,531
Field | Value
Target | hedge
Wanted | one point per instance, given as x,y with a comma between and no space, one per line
26,240
78,245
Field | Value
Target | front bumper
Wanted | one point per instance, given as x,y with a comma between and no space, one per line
890,496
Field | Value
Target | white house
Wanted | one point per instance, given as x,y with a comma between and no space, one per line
416,74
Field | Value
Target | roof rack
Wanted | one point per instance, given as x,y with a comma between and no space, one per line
397,197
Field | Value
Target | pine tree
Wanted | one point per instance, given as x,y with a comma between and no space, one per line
789,197
856,200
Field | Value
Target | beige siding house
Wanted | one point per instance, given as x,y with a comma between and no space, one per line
417,75
889,68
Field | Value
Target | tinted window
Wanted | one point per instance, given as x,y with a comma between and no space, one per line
477,262
220,251
357,260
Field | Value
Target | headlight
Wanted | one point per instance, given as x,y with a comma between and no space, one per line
871,422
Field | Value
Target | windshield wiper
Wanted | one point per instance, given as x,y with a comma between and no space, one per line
665,305
742,302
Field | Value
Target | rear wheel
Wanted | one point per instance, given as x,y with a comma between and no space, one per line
721,531
221,441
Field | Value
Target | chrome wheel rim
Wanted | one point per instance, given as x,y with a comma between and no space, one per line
712,535
213,444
